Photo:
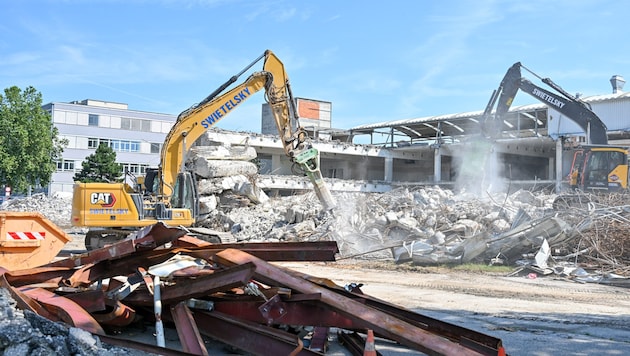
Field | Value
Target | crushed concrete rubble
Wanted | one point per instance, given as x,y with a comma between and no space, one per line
23,332
422,225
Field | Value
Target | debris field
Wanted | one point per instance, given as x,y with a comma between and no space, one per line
232,291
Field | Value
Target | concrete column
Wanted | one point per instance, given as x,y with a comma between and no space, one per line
437,165
389,169
558,164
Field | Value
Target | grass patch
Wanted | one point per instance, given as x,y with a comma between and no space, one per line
483,268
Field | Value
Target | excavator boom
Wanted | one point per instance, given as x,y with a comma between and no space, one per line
563,102
193,122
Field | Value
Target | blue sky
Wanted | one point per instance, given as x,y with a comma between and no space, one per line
374,60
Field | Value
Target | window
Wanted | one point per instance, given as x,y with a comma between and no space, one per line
146,125
125,123
93,142
93,120
65,166
155,147
122,145
134,168
135,124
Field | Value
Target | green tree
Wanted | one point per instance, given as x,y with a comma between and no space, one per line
29,142
100,166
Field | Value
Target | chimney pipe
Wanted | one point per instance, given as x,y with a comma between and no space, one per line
617,82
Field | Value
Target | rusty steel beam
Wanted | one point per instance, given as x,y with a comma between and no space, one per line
38,275
130,344
68,311
158,235
319,339
250,337
90,300
119,315
187,330
25,302
186,288
485,344
296,313
370,318
353,342
270,251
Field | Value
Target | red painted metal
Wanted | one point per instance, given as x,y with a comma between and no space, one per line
250,337
52,275
68,311
187,330
151,349
273,251
185,288
25,302
383,323
90,300
158,235
296,313
119,315
474,340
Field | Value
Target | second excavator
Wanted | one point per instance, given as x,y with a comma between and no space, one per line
597,166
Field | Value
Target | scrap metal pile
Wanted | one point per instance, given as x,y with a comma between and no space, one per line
228,292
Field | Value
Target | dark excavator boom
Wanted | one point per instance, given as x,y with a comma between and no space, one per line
563,102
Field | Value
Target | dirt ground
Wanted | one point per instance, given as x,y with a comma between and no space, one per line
443,288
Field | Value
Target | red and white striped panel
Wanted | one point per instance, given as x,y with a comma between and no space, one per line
28,235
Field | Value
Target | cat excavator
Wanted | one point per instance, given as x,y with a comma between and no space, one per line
597,167
169,193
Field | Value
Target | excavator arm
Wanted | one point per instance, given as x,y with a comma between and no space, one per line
193,122
563,102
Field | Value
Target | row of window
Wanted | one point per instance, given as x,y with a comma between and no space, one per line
111,121
121,145
74,166
115,144
126,123
118,145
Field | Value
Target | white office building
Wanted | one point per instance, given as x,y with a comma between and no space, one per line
135,136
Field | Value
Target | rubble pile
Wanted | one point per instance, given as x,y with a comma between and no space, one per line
425,225
604,239
23,332
369,224
56,208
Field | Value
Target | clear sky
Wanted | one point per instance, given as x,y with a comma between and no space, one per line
375,61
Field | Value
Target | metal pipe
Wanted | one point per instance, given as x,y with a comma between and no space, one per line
157,309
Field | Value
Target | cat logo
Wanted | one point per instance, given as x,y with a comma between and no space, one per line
106,200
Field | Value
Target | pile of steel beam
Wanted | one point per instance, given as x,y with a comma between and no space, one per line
227,292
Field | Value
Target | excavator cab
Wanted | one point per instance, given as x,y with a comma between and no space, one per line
605,169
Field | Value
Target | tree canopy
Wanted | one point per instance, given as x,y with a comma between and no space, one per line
29,142
100,166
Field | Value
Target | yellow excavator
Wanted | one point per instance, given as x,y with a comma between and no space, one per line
597,166
170,193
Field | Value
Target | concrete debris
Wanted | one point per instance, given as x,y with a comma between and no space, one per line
212,169
422,225
56,208
224,152
23,332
